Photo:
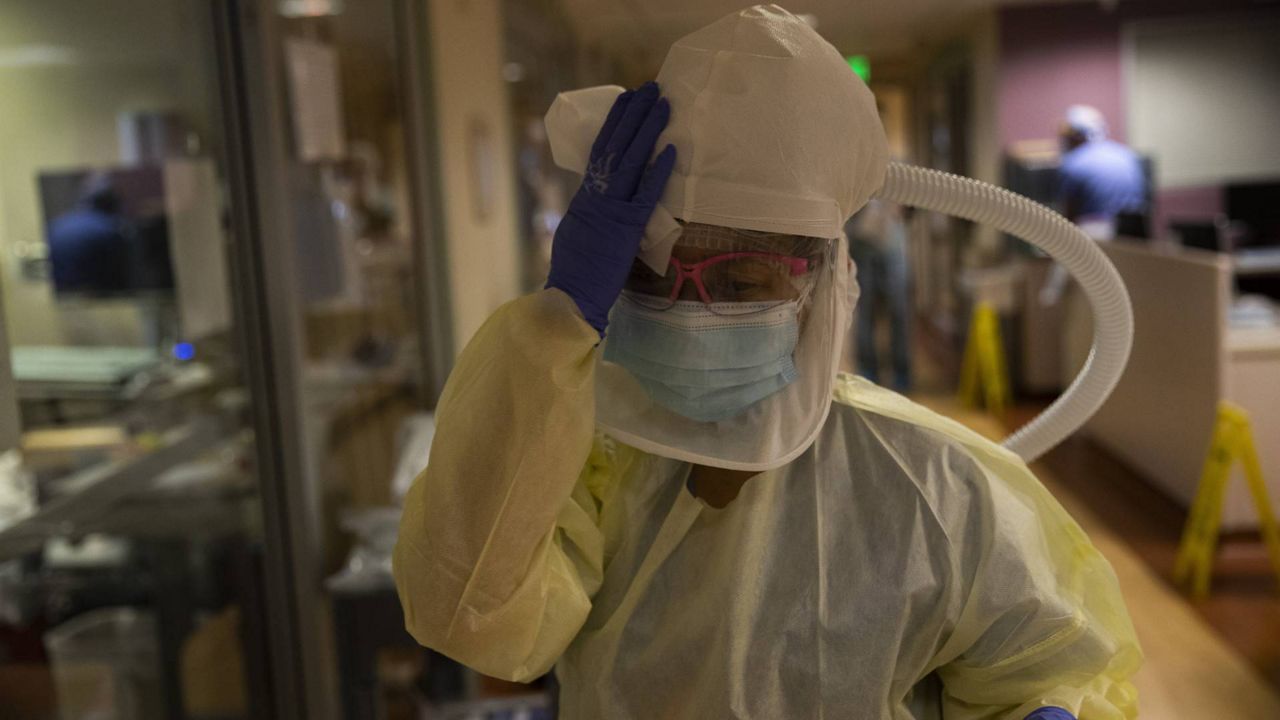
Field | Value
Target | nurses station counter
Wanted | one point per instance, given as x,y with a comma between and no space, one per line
1188,356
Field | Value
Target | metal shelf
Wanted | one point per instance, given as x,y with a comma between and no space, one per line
90,494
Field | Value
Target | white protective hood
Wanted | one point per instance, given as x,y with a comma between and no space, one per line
773,132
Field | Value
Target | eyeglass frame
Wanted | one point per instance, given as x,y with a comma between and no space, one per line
693,271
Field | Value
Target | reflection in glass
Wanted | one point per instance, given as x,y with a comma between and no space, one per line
130,538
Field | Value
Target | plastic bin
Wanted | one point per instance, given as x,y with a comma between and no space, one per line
106,666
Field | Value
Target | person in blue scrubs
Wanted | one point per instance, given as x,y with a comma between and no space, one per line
1099,178
88,245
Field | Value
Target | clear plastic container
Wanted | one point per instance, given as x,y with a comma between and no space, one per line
106,666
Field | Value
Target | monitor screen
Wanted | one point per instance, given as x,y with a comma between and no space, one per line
1257,205
107,231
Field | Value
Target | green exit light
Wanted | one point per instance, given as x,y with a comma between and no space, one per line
861,65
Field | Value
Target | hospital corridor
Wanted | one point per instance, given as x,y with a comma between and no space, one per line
607,360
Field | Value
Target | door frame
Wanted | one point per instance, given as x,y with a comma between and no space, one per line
266,296
266,310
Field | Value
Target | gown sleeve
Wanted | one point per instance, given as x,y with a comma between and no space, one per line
500,551
1042,622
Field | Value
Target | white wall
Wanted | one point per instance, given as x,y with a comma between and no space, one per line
984,141
1204,98
475,151
984,136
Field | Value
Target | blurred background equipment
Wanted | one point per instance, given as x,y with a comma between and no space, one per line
106,664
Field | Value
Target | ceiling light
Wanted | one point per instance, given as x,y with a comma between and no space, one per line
309,8
513,72
36,56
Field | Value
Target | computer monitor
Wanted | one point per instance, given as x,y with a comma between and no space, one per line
107,231
1036,177
1200,234
1257,207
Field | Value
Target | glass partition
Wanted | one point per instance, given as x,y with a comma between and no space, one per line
131,540
356,304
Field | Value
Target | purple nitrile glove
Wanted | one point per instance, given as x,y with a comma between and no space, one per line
1051,713
598,238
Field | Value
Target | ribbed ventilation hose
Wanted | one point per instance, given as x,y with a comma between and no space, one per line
1016,215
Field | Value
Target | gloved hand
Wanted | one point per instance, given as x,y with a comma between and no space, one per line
599,236
1051,713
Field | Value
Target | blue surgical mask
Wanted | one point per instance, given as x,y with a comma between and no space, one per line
706,365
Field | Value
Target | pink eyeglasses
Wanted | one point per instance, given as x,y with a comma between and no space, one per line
732,277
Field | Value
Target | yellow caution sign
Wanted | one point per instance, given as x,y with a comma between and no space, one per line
1232,441
984,375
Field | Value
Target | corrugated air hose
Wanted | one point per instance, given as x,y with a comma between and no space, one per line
1064,242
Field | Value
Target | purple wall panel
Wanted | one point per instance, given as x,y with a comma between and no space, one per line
1051,58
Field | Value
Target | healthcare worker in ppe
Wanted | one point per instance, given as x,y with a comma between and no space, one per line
649,475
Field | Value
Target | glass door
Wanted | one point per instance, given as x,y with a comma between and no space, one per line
140,566
341,252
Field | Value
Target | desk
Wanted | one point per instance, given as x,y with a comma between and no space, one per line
1186,360
1257,261
98,378
101,381
42,371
